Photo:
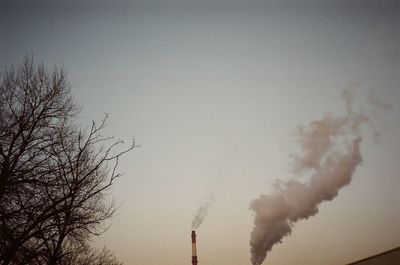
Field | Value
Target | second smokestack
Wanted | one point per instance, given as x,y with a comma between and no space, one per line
194,252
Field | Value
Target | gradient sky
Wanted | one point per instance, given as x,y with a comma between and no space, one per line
213,92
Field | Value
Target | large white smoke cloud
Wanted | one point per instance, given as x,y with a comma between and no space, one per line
330,153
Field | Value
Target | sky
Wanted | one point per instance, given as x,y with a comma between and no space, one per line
213,92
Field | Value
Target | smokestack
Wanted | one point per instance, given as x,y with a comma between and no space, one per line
194,252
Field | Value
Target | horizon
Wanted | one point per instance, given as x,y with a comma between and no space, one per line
213,93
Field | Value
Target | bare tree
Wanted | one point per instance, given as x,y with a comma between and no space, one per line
90,256
53,174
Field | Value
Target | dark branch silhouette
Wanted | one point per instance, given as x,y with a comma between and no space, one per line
53,174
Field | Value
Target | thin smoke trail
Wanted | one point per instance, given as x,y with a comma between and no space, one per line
330,153
202,213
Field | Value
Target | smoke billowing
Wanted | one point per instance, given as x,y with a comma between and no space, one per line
201,213
330,153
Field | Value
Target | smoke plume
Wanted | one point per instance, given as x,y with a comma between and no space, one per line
330,153
202,213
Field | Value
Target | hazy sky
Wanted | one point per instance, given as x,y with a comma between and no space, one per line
213,92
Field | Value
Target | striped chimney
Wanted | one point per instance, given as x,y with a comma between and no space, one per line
194,252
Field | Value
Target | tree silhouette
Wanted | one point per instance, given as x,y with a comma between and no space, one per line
53,174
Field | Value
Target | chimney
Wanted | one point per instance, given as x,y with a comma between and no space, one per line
194,252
